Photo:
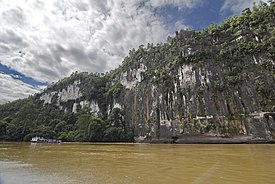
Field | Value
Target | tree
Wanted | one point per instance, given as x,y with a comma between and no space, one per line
82,123
114,134
115,118
96,130
3,129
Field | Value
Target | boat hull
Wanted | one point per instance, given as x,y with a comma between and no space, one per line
44,140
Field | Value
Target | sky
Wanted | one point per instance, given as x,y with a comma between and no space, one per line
43,41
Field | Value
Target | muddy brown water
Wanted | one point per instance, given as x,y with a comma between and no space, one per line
136,163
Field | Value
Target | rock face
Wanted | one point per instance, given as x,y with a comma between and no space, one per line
189,99
191,103
219,82
71,92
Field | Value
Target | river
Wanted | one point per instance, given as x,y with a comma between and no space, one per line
67,163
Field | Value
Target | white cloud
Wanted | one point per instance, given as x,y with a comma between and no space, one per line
48,40
179,25
12,89
58,37
236,6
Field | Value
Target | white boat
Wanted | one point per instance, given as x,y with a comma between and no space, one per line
44,140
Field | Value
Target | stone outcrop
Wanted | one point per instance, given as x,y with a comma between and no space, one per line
219,83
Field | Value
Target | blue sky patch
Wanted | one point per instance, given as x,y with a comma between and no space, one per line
19,76
198,17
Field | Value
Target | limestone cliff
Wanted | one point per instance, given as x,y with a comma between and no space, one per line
219,82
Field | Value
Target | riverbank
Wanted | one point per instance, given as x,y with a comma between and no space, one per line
187,139
212,140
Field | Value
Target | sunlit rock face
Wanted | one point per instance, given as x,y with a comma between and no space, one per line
215,83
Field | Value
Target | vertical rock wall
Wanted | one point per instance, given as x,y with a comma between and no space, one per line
196,102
